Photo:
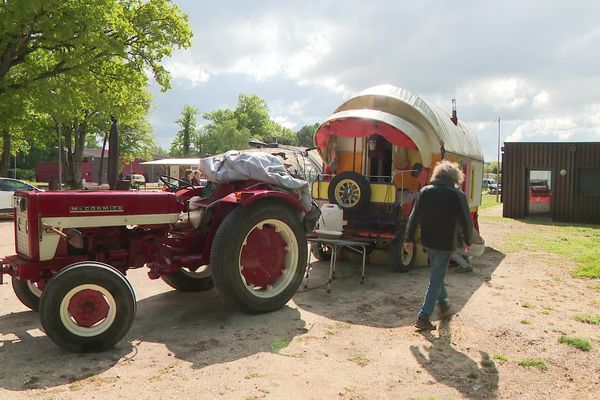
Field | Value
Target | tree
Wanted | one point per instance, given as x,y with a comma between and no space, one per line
306,134
224,136
44,40
252,113
40,39
186,137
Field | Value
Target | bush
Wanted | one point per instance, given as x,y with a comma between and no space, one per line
23,174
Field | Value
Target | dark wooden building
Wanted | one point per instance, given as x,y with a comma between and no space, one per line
558,180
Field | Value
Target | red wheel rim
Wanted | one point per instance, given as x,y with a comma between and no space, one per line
88,307
268,258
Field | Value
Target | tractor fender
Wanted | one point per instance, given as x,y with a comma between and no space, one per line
247,197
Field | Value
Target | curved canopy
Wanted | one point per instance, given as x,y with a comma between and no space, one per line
426,125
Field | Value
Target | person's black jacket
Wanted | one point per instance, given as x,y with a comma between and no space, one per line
441,211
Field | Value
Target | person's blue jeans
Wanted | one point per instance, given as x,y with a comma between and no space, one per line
436,291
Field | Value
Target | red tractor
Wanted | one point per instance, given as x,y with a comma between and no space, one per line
74,249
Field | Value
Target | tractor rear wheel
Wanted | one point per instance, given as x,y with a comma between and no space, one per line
189,280
87,307
27,292
258,256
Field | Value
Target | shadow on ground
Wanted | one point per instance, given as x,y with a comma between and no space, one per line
450,367
387,299
196,327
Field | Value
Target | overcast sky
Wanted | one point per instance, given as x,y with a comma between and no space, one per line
534,64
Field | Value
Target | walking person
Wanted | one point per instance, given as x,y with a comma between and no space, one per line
441,210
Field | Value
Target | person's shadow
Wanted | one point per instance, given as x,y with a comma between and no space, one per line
474,379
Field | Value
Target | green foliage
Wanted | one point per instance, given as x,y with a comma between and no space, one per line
581,344
500,357
187,137
232,129
488,200
488,362
224,136
306,135
40,39
23,174
532,362
588,319
69,64
279,344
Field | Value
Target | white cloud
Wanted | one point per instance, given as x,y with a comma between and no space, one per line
503,93
285,122
182,67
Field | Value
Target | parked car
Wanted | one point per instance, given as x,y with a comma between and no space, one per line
488,183
495,188
8,187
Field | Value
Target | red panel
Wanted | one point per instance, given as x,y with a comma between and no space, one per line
356,127
83,203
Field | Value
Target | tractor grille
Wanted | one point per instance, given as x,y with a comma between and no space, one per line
22,229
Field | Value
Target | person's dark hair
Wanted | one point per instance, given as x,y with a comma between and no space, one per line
187,172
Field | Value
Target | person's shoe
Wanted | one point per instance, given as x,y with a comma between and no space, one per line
466,268
445,310
424,324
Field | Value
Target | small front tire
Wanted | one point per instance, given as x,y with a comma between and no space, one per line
87,307
27,292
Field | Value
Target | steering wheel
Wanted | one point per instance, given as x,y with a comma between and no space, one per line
166,179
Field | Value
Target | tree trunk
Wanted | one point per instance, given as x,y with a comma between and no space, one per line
5,159
101,171
79,132
68,159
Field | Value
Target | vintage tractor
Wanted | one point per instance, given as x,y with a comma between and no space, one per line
247,237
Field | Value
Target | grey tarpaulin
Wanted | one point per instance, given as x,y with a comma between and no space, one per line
238,166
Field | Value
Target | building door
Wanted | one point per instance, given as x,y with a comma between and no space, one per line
539,193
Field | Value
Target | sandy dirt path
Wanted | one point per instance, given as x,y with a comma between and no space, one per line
356,343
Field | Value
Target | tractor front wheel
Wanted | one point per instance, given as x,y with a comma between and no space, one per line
258,256
28,292
87,307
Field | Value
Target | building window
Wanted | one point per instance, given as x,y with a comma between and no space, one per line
588,181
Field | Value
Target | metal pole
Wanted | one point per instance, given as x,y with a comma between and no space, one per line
498,166
15,165
59,157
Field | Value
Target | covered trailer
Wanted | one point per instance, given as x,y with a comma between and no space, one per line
379,148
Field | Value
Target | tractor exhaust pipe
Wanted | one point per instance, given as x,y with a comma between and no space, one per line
454,118
113,154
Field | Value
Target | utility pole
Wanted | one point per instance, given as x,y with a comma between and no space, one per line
498,167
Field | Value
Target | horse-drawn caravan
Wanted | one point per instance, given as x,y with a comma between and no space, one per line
379,148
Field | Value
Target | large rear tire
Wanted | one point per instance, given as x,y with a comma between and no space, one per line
400,259
188,280
258,256
87,307
27,292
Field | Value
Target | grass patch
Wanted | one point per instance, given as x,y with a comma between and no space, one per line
577,243
472,374
488,200
527,304
360,359
532,362
279,344
581,344
500,357
525,322
588,319
595,287
488,363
